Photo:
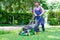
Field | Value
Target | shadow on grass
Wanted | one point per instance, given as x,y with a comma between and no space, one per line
4,32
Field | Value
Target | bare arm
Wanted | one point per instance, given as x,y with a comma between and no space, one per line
42,11
34,12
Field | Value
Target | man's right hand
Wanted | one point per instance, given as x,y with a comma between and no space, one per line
35,15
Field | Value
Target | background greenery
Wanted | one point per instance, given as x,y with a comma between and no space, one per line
19,12
19,18
54,17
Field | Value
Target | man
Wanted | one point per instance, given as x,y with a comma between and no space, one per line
38,12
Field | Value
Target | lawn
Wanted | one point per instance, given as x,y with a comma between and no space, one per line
49,34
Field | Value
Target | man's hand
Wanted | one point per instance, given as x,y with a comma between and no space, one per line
40,15
35,14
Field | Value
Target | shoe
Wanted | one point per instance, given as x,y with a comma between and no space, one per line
43,30
35,33
28,34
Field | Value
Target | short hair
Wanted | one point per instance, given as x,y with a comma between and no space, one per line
37,2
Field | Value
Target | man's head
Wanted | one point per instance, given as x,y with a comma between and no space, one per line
37,4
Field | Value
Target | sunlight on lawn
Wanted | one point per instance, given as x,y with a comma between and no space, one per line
51,30
49,34
4,39
57,37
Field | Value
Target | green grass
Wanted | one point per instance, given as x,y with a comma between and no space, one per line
49,34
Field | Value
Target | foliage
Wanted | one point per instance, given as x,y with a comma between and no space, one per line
55,4
21,10
54,17
43,4
23,18
19,18
18,6
14,6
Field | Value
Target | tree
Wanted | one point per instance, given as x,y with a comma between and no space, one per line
10,9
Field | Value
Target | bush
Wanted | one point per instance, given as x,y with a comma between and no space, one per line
19,18
54,17
22,18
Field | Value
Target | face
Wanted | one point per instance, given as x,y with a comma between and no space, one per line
37,4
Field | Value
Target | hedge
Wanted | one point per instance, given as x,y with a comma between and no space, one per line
19,18
22,18
54,17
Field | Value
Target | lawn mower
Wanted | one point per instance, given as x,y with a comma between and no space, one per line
28,28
